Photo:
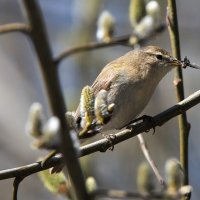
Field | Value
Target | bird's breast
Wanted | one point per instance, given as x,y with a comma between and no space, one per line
130,100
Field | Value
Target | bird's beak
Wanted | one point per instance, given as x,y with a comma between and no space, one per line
175,62
185,63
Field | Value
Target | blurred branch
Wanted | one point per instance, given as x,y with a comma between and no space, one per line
54,94
147,155
29,169
121,194
15,27
184,126
121,40
104,144
16,183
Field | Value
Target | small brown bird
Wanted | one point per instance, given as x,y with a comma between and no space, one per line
130,82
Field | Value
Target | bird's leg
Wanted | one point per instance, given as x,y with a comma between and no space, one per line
144,118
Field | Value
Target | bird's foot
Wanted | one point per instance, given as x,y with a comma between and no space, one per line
149,119
144,118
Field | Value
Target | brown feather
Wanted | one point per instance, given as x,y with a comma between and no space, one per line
99,84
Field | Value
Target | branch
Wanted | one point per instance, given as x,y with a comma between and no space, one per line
16,183
15,27
104,144
147,155
122,40
54,94
122,194
184,126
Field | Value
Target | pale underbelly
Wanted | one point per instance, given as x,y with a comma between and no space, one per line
128,107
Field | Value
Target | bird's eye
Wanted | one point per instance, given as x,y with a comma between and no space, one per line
159,57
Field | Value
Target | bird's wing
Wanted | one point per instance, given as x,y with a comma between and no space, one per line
103,81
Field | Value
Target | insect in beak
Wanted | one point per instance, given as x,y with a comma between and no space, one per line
186,63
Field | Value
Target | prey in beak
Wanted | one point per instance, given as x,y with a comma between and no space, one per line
186,63
183,63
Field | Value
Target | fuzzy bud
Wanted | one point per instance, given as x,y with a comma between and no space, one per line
186,191
70,117
105,26
145,182
50,136
153,10
91,184
148,23
145,27
86,109
174,176
35,120
136,11
55,183
102,109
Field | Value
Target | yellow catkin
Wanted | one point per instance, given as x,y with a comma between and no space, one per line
136,11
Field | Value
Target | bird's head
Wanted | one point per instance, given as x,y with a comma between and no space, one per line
157,56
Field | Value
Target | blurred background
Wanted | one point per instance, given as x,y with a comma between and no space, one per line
71,23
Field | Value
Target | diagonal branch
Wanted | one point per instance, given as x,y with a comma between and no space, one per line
104,144
15,27
151,162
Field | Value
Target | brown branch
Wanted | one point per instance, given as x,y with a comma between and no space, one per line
104,144
147,155
16,183
15,27
121,40
54,94
29,169
184,126
122,194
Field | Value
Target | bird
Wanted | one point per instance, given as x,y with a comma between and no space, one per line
130,81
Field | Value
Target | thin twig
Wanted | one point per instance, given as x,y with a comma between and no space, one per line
29,169
54,94
184,126
147,155
16,183
121,40
122,194
14,27
104,144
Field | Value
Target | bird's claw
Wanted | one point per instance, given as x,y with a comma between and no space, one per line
150,120
144,118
